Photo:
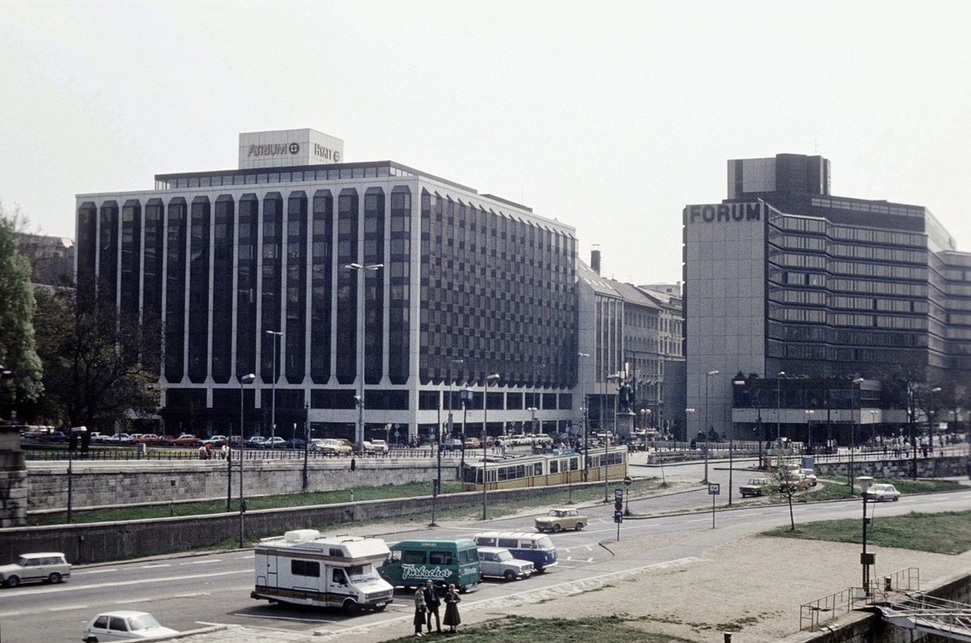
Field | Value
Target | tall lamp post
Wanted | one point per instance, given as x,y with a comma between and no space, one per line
72,445
707,431
277,334
865,559
485,434
855,392
466,395
361,343
584,407
809,423
244,379
613,377
778,407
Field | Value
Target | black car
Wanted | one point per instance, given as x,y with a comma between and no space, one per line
296,443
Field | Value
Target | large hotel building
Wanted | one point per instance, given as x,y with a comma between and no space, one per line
807,308
299,266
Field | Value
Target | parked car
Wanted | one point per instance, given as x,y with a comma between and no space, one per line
754,487
184,440
55,436
882,493
276,442
146,438
498,562
255,442
296,443
123,625
810,475
216,441
794,482
118,438
379,446
560,519
452,444
472,443
333,446
50,567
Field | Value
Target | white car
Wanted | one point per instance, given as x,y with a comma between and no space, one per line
882,493
379,446
49,567
123,625
498,562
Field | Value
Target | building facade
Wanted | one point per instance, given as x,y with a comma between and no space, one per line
786,282
629,334
327,279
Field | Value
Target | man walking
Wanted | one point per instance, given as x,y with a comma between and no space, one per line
432,601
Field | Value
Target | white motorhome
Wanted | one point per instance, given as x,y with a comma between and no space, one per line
305,568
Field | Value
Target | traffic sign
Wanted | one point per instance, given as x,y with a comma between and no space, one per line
628,481
618,517
618,505
714,489
618,495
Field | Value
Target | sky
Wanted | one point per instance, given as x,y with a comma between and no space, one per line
608,116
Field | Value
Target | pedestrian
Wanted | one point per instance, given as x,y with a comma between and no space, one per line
452,599
225,450
432,602
419,610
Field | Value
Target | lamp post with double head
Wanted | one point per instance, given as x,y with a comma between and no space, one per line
854,408
485,435
244,379
778,407
361,343
865,559
708,377
613,377
809,429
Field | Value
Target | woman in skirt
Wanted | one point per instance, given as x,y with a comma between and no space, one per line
452,599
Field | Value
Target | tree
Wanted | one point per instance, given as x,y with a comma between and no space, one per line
94,360
17,346
783,478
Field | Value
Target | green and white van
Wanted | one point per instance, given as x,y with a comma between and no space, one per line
443,561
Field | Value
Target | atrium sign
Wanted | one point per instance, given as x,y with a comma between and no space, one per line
288,148
724,213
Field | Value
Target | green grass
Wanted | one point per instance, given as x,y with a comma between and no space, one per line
939,533
838,489
473,509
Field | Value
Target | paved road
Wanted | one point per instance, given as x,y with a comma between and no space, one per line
190,592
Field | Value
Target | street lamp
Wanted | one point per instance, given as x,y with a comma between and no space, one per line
466,395
245,379
778,408
276,335
865,559
707,433
809,422
613,377
855,404
359,438
72,444
532,422
584,408
438,441
485,434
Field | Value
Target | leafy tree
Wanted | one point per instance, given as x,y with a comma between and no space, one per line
782,477
94,362
17,348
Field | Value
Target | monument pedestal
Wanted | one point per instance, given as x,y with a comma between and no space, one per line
625,425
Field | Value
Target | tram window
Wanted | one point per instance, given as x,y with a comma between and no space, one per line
538,469
554,466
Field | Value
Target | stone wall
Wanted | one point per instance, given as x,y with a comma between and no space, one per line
112,483
942,467
13,479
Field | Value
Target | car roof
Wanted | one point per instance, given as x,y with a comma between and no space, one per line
42,554
122,613
491,550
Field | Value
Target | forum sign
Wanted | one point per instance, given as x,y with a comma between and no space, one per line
724,213
288,148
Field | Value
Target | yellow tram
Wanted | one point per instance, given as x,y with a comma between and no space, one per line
561,466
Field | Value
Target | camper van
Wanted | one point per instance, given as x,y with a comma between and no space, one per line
305,568
443,561
536,548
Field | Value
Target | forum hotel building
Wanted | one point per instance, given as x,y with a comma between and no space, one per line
331,280
815,317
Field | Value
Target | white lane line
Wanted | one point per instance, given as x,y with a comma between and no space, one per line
69,587
156,566
202,562
94,571
69,607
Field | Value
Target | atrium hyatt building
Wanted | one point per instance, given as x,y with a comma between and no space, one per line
327,279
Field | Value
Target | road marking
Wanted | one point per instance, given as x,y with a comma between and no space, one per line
156,566
95,571
203,562
67,608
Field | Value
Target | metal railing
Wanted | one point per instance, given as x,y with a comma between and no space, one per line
813,614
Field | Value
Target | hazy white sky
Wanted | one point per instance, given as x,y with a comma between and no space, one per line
608,116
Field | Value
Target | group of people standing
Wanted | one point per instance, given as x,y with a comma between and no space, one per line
428,600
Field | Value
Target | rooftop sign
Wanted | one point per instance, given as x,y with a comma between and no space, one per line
288,148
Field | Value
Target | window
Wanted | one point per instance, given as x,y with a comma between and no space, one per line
412,556
440,558
305,568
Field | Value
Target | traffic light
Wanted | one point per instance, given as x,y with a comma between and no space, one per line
619,505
